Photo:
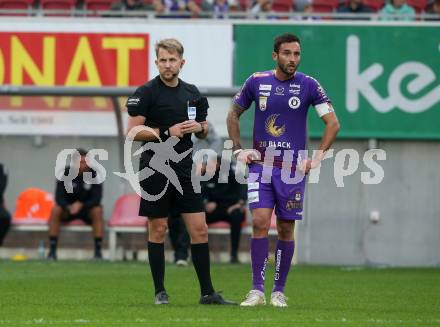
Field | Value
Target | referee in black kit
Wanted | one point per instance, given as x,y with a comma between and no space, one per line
171,108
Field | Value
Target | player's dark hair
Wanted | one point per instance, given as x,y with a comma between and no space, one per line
284,38
82,152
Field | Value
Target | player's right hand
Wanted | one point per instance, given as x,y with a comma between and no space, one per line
248,155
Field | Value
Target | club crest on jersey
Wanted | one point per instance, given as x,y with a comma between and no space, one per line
272,128
294,102
263,103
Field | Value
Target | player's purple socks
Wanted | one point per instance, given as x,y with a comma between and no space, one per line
259,254
283,260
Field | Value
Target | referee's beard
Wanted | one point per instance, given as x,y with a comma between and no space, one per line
173,77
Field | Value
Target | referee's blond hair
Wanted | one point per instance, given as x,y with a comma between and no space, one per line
170,45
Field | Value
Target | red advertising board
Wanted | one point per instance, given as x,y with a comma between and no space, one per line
71,59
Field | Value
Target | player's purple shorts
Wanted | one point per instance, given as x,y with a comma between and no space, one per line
270,191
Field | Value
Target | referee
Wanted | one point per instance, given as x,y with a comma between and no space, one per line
171,107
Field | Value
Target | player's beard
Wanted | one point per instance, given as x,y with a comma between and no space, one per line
285,71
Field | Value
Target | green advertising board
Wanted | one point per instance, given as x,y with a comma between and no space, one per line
384,81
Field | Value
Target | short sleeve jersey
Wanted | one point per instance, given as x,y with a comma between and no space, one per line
165,106
281,109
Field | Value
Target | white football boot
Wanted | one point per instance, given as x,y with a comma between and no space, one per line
278,299
254,298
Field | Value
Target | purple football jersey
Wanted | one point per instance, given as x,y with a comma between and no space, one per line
280,110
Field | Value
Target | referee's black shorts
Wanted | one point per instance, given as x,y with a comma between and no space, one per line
188,202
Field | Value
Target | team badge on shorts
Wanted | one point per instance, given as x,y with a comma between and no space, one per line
296,202
263,103
294,102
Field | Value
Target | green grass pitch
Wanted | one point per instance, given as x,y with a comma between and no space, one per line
34,293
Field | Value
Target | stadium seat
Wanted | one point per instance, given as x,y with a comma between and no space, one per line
33,206
418,5
223,227
375,5
33,209
324,6
65,5
125,219
244,5
282,5
97,5
16,5
126,212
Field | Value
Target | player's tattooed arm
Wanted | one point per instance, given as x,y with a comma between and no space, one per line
331,130
233,123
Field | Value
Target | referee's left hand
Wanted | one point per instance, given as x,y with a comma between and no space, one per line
191,126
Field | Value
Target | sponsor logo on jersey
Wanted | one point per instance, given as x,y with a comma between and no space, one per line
253,197
266,94
265,87
253,186
279,90
133,101
279,144
263,103
294,92
272,128
295,85
294,102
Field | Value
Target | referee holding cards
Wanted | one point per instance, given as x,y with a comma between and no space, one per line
171,107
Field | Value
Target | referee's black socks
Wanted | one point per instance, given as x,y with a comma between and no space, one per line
200,258
156,256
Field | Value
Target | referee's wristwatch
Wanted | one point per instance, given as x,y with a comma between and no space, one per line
202,131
